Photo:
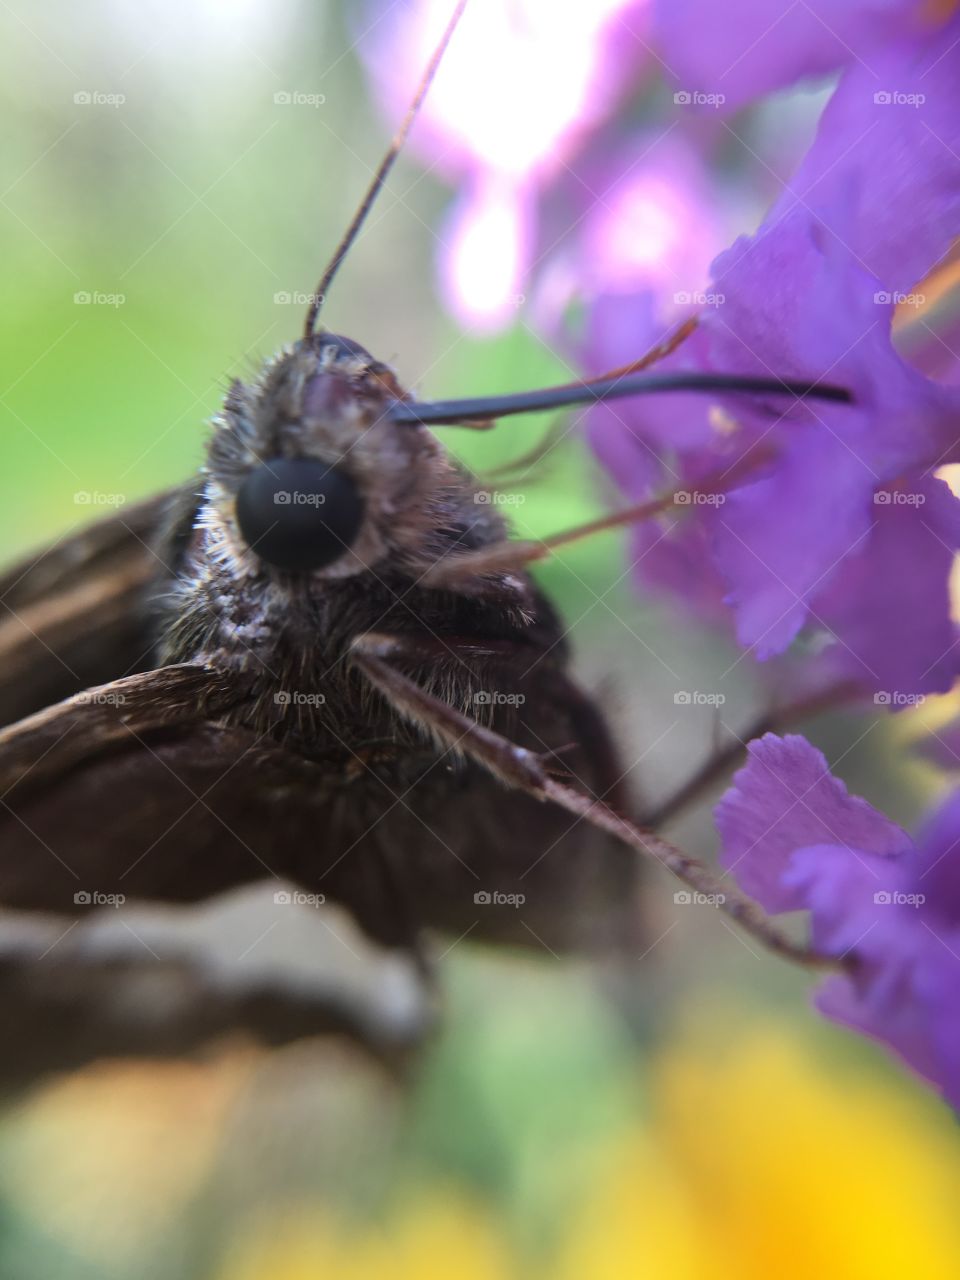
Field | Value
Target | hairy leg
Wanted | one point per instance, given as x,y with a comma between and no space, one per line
374,654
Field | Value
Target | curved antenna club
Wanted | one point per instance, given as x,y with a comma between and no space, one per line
380,177
464,412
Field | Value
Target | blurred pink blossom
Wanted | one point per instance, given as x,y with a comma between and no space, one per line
522,82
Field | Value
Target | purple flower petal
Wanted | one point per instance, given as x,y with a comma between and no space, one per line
939,874
889,907
651,219
746,48
852,893
784,799
906,995
671,556
622,328
883,174
889,605
796,303
881,1003
629,459
779,540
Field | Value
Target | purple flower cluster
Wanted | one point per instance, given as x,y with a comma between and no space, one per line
520,88
627,166
846,531
886,903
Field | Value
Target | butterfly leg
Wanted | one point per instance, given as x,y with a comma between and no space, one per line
512,555
375,656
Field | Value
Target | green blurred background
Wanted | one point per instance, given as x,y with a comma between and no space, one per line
199,200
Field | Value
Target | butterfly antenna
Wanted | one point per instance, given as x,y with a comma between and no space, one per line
380,177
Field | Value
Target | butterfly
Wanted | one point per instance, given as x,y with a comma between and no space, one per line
323,661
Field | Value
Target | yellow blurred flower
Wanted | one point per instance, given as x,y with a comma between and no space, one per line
760,1158
433,1241
761,1161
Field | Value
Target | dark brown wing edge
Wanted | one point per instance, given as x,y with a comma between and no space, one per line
65,1003
132,788
75,613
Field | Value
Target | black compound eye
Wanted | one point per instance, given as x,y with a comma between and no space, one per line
299,513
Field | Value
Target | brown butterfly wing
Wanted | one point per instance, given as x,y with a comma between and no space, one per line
76,613
132,788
